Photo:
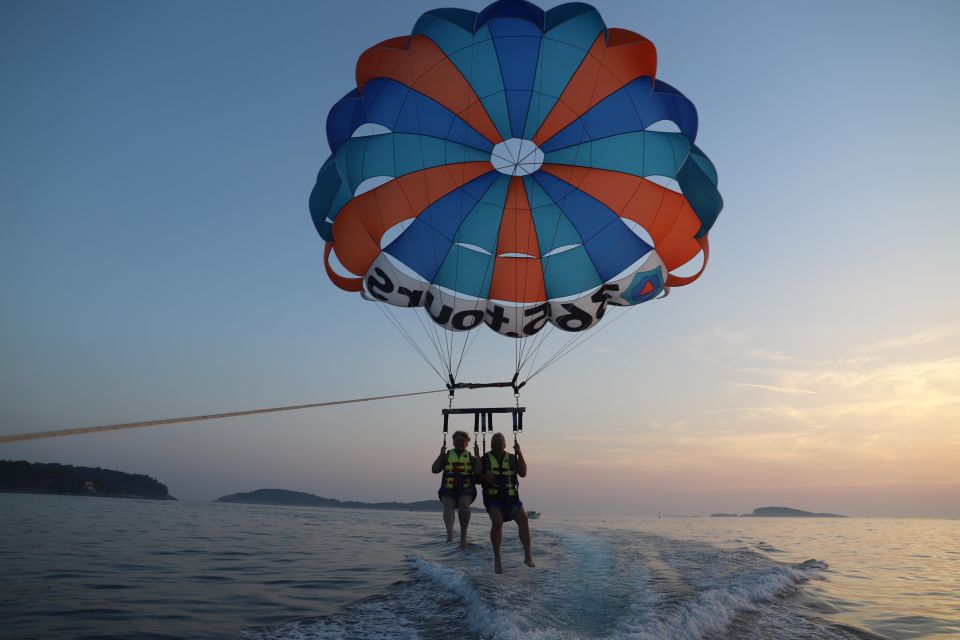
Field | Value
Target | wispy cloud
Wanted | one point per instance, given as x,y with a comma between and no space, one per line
868,407
915,338
773,388
863,413
771,355
703,344
898,390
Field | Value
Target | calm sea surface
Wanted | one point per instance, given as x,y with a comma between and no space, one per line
74,567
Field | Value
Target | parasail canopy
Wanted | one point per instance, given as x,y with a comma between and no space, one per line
513,168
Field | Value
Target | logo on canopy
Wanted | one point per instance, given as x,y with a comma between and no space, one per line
644,286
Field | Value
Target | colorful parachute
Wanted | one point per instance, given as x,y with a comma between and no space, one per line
513,167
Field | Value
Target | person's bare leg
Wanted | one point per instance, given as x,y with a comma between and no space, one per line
496,537
524,526
448,507
464,508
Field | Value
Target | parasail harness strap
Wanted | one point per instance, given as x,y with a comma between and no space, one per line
483,420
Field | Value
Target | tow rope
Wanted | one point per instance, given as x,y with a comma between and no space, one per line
40,435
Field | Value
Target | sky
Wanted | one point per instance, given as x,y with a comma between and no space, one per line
157,259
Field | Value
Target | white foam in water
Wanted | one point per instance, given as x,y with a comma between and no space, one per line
715,608
441,598
494,623
588,586
477,614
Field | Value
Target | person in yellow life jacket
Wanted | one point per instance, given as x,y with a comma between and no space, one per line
499,472
458,488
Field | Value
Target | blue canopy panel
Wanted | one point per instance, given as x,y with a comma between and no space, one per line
322,196
400,109
670,104
569,272
567,33
698,180
468,269
479,64
571,31
554,229
610,244
704,164
481,227
450,29
518,50
639,153
567,268
474,55
424,244
633,107
397,154
344,117
518,9
343,195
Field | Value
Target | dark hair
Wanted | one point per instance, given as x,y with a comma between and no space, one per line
461,433
498,434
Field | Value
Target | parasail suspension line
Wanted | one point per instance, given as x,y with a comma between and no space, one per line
576,342
403,332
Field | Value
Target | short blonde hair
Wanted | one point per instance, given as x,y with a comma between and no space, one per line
461,433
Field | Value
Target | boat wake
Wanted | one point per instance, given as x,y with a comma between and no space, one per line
608,584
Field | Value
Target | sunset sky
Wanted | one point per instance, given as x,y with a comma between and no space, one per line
157,259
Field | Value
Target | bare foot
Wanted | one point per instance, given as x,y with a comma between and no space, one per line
529,561
497,566
463,544
449,536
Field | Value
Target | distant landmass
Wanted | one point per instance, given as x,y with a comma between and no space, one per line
301,499
21,476
778,512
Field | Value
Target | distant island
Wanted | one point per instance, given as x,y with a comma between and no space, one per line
301,499
778,512
21,476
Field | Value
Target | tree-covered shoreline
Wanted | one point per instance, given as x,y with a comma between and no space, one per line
20,476
285,497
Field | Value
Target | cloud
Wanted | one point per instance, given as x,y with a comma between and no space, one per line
773,388
772,355
891,382
703,345
917,337
886,407
798,414
904,390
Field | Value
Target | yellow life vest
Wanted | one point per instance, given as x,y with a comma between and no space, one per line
504,478
458,473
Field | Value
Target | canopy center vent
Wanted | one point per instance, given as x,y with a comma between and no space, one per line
516,157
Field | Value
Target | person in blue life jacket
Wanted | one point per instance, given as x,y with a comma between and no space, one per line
458,488
499,472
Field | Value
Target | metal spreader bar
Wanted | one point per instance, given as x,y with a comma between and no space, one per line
488,410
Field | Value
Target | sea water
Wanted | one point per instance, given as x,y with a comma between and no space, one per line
75,567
